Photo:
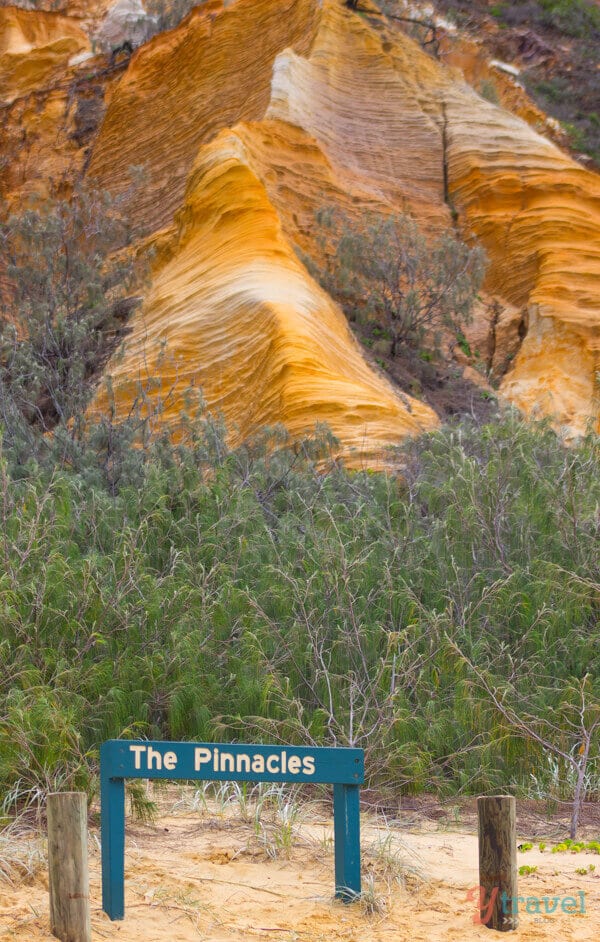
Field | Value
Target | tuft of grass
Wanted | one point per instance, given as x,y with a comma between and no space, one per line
142,808
22,852
273,812
388,864
276,822
372,901
389,858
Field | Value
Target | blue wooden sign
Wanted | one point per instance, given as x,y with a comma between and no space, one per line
121,759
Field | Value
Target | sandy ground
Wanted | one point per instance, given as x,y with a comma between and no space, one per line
212,877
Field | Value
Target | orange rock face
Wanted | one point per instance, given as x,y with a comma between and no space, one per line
186,85
34,48
253,115
243,320
538,215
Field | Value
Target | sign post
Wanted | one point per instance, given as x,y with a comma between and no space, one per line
121,759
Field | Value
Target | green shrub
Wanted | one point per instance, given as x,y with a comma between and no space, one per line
63,309
488,90
576,18
387,271
265,592
526,870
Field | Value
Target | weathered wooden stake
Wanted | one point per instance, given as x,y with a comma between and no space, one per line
498,862
68,867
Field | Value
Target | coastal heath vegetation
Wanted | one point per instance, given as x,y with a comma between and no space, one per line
445,619
442,615
65,299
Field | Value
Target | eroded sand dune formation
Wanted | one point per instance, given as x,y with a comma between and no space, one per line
252,115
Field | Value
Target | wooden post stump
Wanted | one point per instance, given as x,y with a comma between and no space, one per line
68,867
498,862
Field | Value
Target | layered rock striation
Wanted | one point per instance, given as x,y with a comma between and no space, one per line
35,47
243,321
185,86
252,116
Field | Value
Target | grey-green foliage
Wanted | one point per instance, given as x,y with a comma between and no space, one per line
63,306
488,90
387,270
170,13
577,18
263,591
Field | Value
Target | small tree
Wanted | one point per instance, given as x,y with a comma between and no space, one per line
560,716
63,306
411,285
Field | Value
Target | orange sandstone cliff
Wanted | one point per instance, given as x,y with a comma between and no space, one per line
34,49
249,117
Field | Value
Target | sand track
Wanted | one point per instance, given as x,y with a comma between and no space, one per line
196,877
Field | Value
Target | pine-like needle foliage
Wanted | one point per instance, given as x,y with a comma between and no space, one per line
266,592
